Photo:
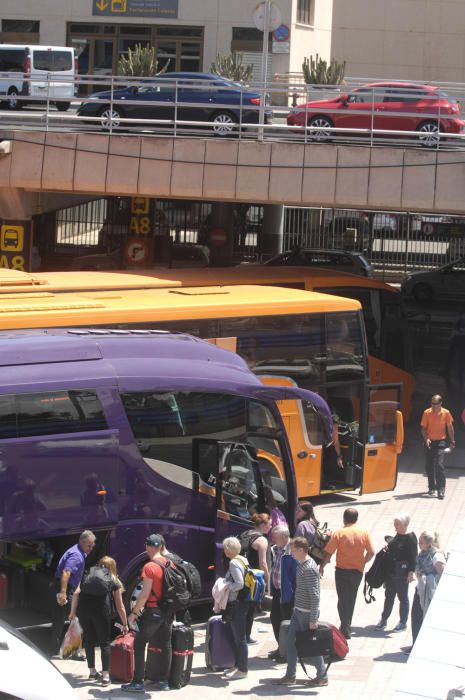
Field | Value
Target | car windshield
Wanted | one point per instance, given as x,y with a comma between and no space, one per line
447,97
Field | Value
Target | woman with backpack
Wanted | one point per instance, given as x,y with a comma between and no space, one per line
403,549
255,548
237,607
93,603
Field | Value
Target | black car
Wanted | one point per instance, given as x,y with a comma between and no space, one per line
198,97
340,260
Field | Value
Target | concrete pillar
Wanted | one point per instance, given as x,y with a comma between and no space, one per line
273,229
220,235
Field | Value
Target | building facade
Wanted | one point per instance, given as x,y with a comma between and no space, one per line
187,34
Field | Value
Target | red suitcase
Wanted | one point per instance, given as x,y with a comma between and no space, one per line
3,591
122,658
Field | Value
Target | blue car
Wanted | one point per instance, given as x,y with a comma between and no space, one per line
219,103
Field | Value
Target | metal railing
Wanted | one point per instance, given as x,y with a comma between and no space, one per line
399,114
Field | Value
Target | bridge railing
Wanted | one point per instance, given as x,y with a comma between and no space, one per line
395,113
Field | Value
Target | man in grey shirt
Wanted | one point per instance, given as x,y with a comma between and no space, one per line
305,614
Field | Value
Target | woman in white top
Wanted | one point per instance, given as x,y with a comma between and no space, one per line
429,567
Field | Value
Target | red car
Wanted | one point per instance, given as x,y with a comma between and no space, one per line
385,106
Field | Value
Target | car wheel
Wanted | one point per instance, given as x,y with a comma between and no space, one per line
62,106
110,118
12,100
428,134
224,124
422,293
321,128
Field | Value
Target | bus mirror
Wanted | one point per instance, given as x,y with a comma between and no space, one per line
399,432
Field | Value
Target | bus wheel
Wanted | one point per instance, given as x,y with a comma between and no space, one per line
132,591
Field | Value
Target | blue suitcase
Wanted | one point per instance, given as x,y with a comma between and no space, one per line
219,650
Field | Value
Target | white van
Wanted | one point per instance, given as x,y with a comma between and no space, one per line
43,73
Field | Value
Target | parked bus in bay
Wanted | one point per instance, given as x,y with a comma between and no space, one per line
389,350
287,336
132,433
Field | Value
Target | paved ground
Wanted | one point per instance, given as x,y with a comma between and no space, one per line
375,662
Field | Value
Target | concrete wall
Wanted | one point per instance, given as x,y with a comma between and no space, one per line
395,179
408,39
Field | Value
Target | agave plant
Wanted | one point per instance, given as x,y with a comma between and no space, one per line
231,66
317,71
141,61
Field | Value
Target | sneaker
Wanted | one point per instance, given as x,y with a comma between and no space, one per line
318,682
431,492
252,641
441,495
105,679
285,680
381,625
162,685
94,676
273,654
400,626
78,656
133,687
229,672
237,675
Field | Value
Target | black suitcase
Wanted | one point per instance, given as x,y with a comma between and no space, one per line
182,641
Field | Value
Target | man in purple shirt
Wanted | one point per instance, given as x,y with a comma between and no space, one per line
67,578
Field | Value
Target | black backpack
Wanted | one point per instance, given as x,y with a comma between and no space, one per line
194,582
377,574
176,595
97,582
247,538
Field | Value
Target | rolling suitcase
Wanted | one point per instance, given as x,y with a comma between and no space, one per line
182,641
152,663
122,658
219,650
3,591
283,635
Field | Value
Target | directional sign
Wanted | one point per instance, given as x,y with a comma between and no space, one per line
168,9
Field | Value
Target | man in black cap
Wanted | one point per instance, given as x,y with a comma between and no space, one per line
153,620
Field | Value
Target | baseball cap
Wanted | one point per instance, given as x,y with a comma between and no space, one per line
154,541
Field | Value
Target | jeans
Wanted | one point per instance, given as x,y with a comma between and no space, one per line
279,612
347,583
299,623
396,586
97,633
153,623
416,617
435,465
237,628
59,616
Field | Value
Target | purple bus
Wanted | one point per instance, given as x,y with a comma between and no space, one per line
131,432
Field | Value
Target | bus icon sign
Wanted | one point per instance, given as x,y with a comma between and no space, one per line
12,238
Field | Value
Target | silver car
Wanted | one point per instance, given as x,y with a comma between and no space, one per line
340,260
443,283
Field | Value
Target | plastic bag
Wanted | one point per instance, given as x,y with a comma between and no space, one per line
72,640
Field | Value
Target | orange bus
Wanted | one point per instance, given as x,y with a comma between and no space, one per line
385,322
288,337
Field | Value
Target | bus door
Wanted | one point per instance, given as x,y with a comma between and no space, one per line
384,438
304,438
242,481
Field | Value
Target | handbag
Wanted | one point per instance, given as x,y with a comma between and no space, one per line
317,642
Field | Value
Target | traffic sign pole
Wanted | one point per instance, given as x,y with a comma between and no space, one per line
266,31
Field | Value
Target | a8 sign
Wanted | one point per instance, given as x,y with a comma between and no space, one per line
15,246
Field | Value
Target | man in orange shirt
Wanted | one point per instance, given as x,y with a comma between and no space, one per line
353,549
437,425
153,620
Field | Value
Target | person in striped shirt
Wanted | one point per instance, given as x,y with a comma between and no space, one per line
305,614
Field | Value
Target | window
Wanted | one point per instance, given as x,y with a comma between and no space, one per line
12,60
53,60
361,96
50,413
305,11
21,25
344,346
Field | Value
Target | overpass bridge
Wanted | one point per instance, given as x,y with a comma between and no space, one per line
37,167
